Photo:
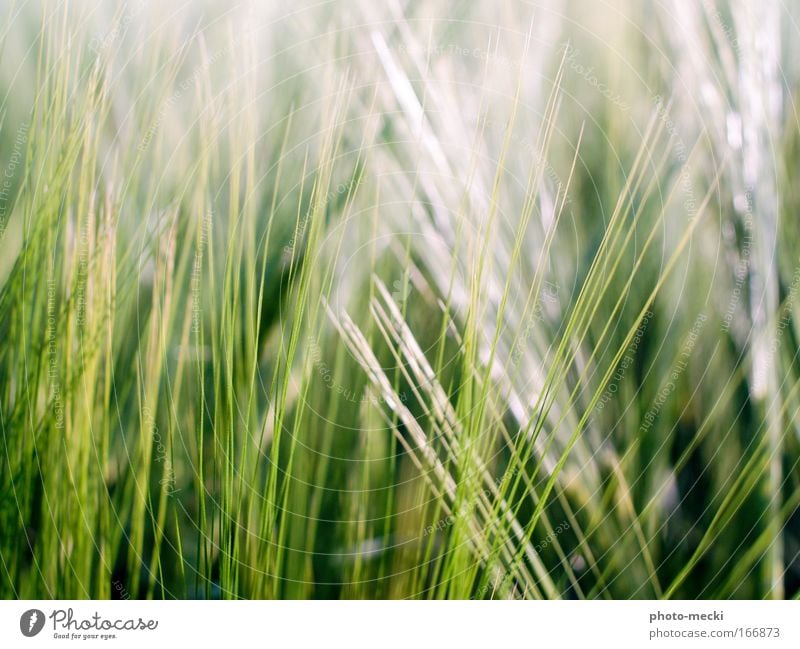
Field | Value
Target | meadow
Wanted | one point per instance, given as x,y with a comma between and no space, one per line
441,300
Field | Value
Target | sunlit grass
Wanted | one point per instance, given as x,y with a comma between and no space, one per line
397,302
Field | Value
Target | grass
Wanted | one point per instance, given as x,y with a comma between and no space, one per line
359,301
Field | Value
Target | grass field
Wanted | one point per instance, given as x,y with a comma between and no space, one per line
399,300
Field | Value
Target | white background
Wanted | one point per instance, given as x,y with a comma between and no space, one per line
408,624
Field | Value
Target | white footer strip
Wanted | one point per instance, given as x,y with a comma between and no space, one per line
400,624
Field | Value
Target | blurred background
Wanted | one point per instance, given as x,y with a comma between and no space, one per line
399,300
